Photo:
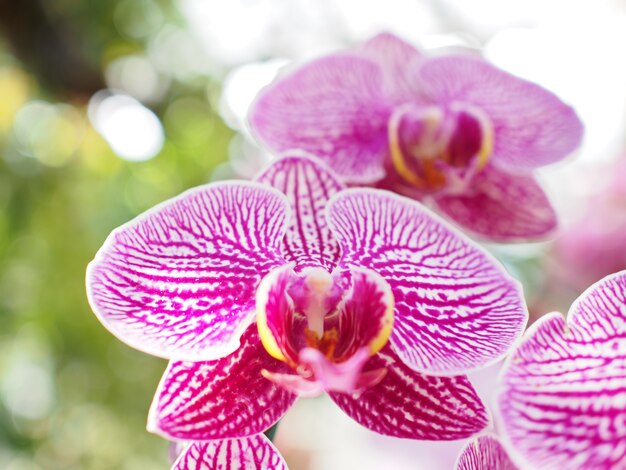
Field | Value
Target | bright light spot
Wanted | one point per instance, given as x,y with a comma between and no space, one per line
586,71
239,31
246,158
487,16
408,18
176,53
232,31
449,40
51,133
241,87
27,389
14,91
135,75
132,130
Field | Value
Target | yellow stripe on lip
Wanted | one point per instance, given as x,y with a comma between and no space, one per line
486,129
386,322
262,297
487,143
432,118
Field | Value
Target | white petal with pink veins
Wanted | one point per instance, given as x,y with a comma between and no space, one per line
563,397
456,309
179,280
308,185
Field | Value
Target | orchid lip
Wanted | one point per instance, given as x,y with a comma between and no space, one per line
439,149
323,331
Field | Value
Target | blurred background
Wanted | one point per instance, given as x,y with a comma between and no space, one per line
108,107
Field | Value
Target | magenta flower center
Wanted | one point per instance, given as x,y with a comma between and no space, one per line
324,326
436,148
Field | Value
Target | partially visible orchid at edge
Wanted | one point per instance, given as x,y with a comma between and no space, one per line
560,403
452,130
562,396
259,292
562,391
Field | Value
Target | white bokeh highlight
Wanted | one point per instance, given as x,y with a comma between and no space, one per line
132,131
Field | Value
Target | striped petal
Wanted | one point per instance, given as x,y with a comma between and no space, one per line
501,207
248,453
179,281
563,400
396,57
218,399
333,108
411,405
485,453
532,126
456,309
308,185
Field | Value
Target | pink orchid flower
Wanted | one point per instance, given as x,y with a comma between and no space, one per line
563,397
293,285
452,131
485,452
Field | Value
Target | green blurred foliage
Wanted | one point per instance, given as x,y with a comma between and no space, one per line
71,395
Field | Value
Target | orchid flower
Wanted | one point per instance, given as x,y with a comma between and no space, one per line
485,452
452,131
563,397
293,285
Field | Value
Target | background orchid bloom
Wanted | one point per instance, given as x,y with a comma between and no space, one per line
593,246
452,130
359,293
562,403
485,452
